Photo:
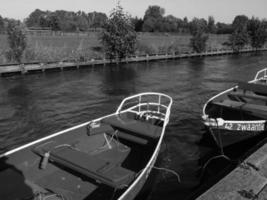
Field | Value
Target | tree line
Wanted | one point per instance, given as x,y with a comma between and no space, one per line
118,35
154,20
61,20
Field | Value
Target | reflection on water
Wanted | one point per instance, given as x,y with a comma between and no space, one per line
119,80
33,106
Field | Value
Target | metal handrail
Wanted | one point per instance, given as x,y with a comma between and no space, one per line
140,104
262,74
258,76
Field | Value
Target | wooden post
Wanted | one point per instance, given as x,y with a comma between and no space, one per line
22,68
104,61
42,66
92,61
61,65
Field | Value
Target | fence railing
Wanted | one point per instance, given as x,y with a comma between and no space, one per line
36,66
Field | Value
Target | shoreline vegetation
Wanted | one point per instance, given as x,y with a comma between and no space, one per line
25,68
64,36
82,47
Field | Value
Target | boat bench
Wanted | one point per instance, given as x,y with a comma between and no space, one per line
257,88
241,95
243,106
107,128
130,125
106,171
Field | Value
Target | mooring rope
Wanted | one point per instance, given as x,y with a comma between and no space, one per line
170,171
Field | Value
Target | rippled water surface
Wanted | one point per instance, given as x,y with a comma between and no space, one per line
37,105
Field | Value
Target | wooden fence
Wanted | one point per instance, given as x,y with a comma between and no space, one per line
42,67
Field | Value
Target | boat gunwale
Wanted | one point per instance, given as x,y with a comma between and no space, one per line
153,158
144,172
208,121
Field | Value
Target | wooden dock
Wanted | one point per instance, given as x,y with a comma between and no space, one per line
42,67
247,181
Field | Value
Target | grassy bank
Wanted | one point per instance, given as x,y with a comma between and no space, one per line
85,47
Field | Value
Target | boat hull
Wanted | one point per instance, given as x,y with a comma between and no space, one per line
238,113
138,185
225,138
111,156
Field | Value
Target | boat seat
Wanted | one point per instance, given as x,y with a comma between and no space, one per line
132,138
257,88
106,128
254,109
229,103
101,170
249,96
126,123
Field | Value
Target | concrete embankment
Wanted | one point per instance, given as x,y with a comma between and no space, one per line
247,181
42,67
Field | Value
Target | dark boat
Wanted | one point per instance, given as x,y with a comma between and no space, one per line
238,113
106,158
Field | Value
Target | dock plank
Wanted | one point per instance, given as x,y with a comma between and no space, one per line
247,181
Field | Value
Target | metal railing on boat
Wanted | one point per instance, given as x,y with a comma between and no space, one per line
145,102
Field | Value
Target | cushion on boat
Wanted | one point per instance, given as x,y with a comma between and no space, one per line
125,123
102,128
258,88
240,95
93,167
132,138
254,109
229,103
115,155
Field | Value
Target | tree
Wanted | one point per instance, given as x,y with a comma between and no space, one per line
137,23
198,42
170,23
257,33
211,28
223,28
53,22
185,25
153,19
81,21
34,18
2,25
239,38
118,36
97,19
199,39
65,20
197,26
240,22
16,40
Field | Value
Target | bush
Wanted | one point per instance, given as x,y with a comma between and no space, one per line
198,42
257,33
118,36
239,38
199,39
16,40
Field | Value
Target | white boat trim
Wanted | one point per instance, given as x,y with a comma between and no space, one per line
208,120
145,172
49,137
152,160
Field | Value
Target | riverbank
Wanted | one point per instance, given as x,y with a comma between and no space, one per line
51,48
42,67
247,181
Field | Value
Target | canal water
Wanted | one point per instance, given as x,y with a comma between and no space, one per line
37,105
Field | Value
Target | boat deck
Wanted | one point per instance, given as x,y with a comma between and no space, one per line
83,162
